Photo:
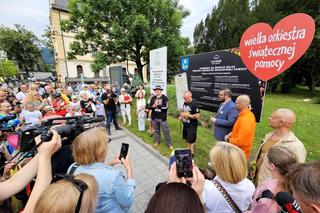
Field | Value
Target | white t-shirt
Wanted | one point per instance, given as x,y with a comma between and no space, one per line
241,193
31,117
21,95
75,114
141,104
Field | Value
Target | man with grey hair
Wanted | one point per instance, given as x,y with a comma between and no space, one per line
281,121
226,115
305,184
242,134
160,104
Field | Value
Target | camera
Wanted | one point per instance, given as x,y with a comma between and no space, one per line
74,126
7,118
5,127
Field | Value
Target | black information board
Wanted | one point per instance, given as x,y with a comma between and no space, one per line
208,73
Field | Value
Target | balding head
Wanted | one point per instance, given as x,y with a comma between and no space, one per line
242,102
286,116
187,96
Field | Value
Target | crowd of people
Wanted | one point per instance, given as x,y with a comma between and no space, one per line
75,177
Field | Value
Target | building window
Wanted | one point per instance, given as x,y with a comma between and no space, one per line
97,74
79,70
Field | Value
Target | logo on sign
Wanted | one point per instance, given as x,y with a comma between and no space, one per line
216,60
185,63
268,51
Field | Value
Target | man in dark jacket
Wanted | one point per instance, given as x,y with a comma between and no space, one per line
109,100
159,104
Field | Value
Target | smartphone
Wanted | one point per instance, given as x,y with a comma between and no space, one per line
124,150
183,160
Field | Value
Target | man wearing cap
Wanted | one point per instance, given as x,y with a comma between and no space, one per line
75,103
159,104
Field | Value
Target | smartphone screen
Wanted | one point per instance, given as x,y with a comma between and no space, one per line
124,150
183,160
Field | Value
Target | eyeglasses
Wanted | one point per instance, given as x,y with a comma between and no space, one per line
79,184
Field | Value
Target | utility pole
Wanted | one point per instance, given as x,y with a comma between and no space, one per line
4,77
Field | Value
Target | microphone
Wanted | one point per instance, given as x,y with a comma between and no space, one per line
266,194
287,203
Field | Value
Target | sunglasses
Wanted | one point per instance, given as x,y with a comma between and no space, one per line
79,184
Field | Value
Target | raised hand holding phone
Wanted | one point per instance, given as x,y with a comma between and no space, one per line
124,151
183,159
125,159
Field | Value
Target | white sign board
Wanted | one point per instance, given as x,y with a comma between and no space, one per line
3,54
158,69
181,83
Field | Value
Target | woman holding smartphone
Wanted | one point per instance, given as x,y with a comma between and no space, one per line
115,193
230,190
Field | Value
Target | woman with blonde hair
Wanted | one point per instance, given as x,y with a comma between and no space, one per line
89,150
69,194
230,190
34,97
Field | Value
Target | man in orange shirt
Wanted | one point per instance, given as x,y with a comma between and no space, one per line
242,134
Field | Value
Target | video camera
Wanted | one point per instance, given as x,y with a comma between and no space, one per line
5,120
73,127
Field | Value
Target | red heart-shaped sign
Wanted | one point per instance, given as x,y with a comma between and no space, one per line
268,52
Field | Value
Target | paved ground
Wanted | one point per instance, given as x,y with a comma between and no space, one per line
149,167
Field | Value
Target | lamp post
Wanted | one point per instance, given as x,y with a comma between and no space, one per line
3,56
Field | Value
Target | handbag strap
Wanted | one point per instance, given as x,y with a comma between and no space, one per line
226,196
73,168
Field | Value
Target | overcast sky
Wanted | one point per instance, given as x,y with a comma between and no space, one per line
34,14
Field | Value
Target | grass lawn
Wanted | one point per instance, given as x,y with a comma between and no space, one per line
307,127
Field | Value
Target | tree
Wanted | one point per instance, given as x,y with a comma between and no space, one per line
47,41
20,45
225,25
126,29
9,68
308,66
223,28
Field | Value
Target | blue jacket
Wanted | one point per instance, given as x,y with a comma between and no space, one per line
115,193
226,117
